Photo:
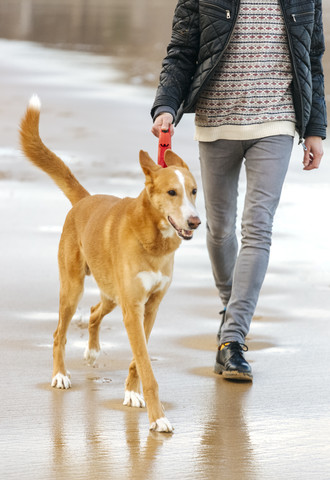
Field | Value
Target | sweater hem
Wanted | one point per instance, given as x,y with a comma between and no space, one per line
244,132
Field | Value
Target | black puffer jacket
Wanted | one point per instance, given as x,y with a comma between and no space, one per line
201,32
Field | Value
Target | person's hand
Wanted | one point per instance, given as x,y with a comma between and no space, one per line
313,153
163,122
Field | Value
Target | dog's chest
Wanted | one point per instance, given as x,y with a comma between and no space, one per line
153,281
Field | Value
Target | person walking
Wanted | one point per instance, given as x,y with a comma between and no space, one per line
251,71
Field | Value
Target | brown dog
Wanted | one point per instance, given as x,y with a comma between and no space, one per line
128,246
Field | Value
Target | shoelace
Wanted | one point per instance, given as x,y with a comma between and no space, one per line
235,347
239,347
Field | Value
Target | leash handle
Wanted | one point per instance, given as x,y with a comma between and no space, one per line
164,144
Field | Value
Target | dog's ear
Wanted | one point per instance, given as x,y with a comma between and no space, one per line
147,164
172,159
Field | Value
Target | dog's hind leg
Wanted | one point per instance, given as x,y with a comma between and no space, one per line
69,298
133,397
72,274
104,307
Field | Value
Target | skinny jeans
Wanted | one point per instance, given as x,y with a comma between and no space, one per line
239,275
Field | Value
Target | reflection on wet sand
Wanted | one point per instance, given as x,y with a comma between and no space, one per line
225,444
87,445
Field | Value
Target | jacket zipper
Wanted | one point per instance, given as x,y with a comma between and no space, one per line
295,15
223,51
295,72
217,7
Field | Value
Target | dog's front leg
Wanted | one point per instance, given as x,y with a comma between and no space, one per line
132,384
133,319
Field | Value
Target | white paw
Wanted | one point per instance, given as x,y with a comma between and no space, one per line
91,356
161,425
133,399
61,381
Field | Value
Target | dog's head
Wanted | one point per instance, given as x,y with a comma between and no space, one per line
172,191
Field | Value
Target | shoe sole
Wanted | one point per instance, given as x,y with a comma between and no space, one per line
232,374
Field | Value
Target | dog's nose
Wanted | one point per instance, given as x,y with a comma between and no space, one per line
193,222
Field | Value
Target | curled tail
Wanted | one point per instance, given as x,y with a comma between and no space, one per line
44,158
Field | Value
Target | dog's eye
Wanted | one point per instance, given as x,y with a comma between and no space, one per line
172,193
194,191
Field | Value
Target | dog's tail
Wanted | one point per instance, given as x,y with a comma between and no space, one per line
44,158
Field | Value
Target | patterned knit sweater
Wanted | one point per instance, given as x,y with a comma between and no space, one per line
249,94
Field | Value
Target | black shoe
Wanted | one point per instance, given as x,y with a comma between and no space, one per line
231,363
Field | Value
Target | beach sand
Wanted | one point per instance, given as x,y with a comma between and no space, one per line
276,428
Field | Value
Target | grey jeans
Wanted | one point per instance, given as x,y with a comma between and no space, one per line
239,276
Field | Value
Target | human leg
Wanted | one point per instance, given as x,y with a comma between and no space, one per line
266,164
220,167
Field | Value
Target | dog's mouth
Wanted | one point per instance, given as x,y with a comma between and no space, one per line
185,234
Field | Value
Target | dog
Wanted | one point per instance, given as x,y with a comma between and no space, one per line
128,245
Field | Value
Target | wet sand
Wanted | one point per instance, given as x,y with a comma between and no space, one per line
276,428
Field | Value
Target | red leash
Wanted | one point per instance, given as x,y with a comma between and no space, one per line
163,145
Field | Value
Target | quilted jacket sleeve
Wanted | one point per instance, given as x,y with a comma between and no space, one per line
318,119
179,65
